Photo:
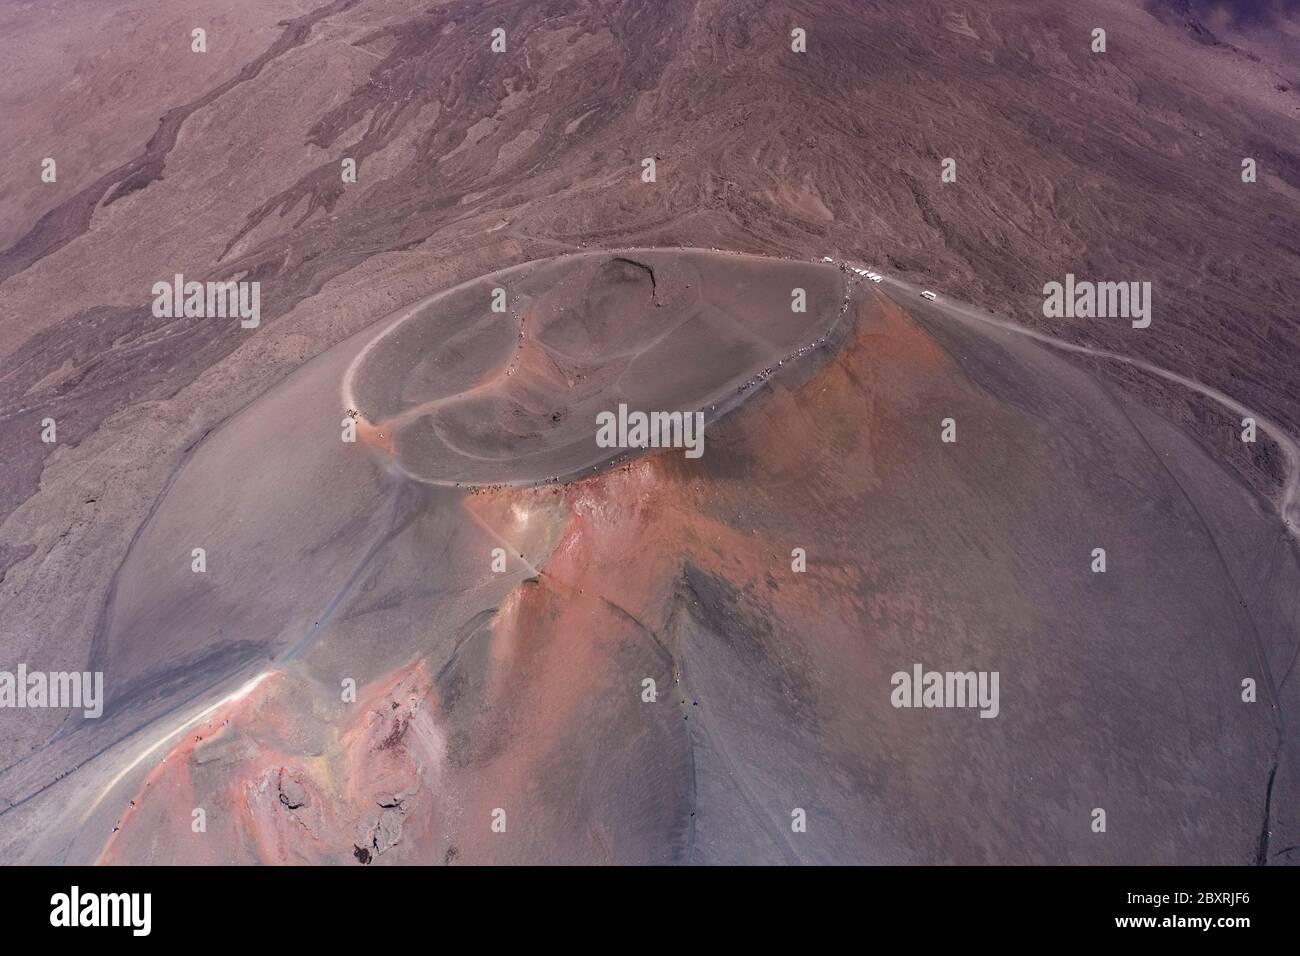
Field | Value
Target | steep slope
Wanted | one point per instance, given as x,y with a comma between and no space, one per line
525,692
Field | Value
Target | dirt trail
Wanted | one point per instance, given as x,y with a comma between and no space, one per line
1288,505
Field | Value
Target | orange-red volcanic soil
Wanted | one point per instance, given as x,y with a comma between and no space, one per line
509,717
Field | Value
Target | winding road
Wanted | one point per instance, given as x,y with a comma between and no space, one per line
1288,505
